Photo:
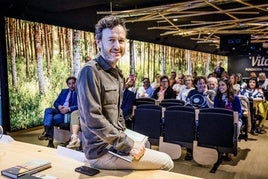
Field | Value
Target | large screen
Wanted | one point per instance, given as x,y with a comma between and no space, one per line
235,43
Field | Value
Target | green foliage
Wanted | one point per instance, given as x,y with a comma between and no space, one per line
26,104
24,107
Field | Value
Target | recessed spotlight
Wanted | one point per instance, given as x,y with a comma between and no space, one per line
175,20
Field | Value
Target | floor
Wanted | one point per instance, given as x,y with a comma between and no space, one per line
251,161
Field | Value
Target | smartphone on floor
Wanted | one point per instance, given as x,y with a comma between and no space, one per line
87,170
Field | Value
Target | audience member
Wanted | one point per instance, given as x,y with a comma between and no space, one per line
130,83
198,97
194,74
145,91
239,81
232,81
219,69
262,81
224,74
252,75
172,78
186,88
100,92
212,83
226,98
179,83
156,82
65,103
164,91
252,90
127,106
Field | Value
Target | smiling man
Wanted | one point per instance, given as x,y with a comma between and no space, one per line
100,92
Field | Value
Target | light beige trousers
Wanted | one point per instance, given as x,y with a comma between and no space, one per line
151,159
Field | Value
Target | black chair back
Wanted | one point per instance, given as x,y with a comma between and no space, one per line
171,102
140,101
148,120
179,125
216,129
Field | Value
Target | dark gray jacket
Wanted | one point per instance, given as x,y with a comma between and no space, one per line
99,88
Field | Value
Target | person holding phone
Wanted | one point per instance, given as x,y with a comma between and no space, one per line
100,93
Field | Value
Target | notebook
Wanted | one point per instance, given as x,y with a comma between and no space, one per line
134,136
30,167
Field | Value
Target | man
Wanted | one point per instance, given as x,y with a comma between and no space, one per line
65,103
219,69
145,91
100,86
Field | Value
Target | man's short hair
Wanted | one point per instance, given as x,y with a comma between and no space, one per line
70,78
108,22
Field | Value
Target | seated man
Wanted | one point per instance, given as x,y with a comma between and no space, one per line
145,91
64,104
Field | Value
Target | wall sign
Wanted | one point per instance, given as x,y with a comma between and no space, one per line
247,64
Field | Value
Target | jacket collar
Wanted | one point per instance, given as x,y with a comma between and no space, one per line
106,66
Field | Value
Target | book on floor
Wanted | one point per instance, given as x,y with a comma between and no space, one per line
134,136
30,167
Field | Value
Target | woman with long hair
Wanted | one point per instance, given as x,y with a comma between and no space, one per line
226,98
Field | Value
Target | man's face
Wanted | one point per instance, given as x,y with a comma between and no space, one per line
71,84
113,44
146,83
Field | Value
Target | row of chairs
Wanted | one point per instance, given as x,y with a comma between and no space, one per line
163,103
214,129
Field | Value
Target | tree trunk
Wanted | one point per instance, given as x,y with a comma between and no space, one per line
51,40
32,43
13,52
39,57
132,57
76,52
27,55
69,47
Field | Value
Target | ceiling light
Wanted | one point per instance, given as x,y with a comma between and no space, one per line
175,20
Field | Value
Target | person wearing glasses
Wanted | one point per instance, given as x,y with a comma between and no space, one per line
145,91
65,103
164,91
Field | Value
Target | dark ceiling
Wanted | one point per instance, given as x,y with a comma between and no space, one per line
195,25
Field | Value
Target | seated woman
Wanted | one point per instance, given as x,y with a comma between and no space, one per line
164,91
186,88
226,98
252,91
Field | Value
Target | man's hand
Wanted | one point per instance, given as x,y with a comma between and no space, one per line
63,109
138,150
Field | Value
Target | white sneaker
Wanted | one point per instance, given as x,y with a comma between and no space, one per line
74,143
